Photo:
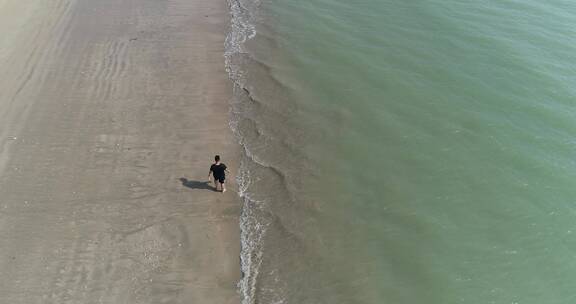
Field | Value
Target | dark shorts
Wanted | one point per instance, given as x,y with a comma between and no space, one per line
220,179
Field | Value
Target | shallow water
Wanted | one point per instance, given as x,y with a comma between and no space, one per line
396,152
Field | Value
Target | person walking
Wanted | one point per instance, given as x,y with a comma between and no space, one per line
218,171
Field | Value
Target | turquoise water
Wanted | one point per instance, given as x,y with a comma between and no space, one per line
406,151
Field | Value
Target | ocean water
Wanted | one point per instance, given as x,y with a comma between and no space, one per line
406,152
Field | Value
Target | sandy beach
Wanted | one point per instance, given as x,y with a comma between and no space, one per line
110,115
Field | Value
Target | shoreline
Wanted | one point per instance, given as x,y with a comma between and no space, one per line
111,107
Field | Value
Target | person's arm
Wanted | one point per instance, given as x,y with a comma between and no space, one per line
209,173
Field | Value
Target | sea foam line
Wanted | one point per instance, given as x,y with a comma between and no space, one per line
252,231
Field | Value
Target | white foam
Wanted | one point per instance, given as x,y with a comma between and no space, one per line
242,29
252,230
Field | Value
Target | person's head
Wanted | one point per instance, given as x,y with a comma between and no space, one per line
217,158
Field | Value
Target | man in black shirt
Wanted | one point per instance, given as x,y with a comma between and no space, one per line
218,171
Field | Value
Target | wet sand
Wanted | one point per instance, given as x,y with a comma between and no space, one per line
110,114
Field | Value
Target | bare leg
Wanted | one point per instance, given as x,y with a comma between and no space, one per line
216,184
223,187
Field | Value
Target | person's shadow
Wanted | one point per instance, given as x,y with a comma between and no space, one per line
196,184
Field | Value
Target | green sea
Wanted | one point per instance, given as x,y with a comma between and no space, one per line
406,152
